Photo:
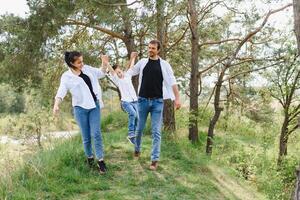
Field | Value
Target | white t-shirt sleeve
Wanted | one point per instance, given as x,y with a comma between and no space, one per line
170,79
96,71
135,70
62,89
127,75
114,78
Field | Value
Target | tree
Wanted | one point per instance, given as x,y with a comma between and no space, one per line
228,62
194,79
168,113
296,6
285,88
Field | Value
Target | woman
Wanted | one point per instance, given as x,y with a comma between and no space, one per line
82,82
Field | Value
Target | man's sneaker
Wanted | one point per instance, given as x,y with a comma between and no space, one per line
131,139
90,162
101,167
137,154
153,165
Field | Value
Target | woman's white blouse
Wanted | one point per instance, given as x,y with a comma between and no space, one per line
81,95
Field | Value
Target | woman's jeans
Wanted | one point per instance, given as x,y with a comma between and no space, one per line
89,123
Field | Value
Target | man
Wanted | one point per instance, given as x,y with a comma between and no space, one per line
156,83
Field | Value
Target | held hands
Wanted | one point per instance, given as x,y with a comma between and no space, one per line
133,55
105,60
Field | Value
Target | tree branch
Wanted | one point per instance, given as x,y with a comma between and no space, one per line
117,4
104,30
212,65
178,40
219,42
252,70
252,33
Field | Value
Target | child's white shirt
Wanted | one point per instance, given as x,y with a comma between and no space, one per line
125,86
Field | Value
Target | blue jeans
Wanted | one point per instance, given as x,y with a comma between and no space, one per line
131,108
155,108
89,123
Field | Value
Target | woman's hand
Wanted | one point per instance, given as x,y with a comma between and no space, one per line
56,106
55,110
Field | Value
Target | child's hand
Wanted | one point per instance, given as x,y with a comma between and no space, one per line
105,59
133,55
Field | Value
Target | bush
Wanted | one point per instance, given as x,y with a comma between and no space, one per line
10,100
114,121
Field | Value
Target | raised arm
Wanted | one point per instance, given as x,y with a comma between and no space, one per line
105,63
135,70
131,62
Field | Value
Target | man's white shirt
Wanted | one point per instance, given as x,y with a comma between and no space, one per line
168,76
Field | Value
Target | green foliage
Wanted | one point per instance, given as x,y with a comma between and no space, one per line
10,100
250,148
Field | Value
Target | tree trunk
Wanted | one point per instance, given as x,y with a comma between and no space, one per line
129,40
296,195
161,26
168,112
296,5
283,140
194,79
228,104
169,116
217,113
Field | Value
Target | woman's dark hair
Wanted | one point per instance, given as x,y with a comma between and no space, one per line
115,66
71,57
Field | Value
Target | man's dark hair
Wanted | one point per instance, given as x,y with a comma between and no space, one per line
71,57
157,42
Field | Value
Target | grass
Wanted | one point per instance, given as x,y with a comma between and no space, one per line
183,173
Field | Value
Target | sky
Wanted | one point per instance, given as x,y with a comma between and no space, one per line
17,7
20,8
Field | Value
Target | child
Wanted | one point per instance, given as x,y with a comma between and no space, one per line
128,94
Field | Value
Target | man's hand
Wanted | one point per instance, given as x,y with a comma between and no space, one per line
177,104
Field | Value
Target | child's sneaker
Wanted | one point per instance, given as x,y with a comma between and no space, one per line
131,139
